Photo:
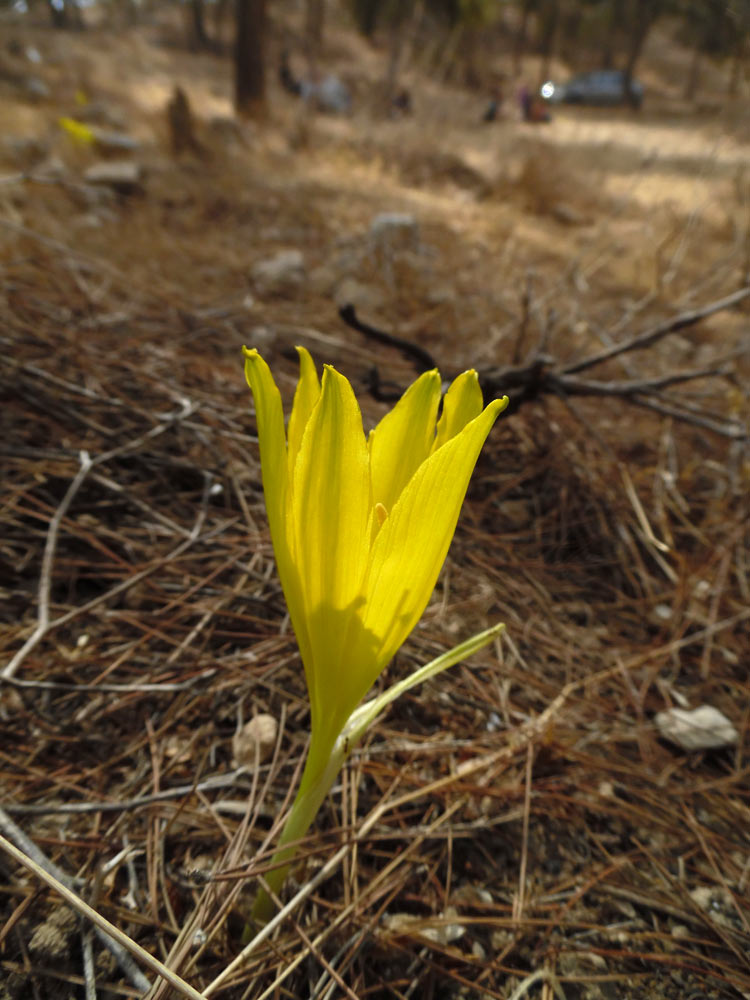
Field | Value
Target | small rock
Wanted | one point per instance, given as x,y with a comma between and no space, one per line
25,151
226,129
567,215
704,728
395,231
441,933
717,902
472,895
255,742
441,296
351,292
330,94
284,272
51,939
121,175
102,114
108,141
35,88
51,168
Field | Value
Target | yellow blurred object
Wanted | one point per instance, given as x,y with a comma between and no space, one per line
81,98
77,131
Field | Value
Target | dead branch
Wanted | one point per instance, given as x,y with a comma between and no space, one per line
689,318
541,374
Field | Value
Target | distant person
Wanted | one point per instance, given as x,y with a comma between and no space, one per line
327,94
492,111
401,105
287,78
524,102
539,112
533,109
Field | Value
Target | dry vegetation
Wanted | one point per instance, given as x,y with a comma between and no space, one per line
519,822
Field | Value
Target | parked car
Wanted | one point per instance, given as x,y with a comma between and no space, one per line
602,86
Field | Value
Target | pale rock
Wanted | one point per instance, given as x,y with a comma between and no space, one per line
108,141
440,933
284,272
567,215
35,88
394,232
102,114
351,292
51,169
255,742
26,151
704,728
441,295
122,175
329,94
51,939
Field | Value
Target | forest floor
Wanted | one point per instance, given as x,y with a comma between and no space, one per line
519,827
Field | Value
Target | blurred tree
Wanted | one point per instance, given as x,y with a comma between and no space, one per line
522,34
65,14
548,19
394,16
249,58
367,14
739,16
197,34
615,22
314,22
709,28
643,16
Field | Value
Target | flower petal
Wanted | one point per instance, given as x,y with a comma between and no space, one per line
403,439
461,404
331,517
305,398
269,416
411,547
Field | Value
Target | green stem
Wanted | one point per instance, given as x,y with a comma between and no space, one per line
317,780
312,790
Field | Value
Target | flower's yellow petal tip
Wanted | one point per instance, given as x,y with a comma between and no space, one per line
500,404
250,352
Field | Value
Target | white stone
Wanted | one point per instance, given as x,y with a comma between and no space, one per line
255,742
704,728
283,272
395,231
109,141
122,175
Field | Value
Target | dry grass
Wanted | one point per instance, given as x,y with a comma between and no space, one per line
518,819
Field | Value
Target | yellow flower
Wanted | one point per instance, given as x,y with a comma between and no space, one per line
79,132
360,526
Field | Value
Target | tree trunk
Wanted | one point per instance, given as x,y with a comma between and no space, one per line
314,21
249,64
58,14
549,17
645,13
519,46
570,30
395,48
197,31
738,63
691,84
613,30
